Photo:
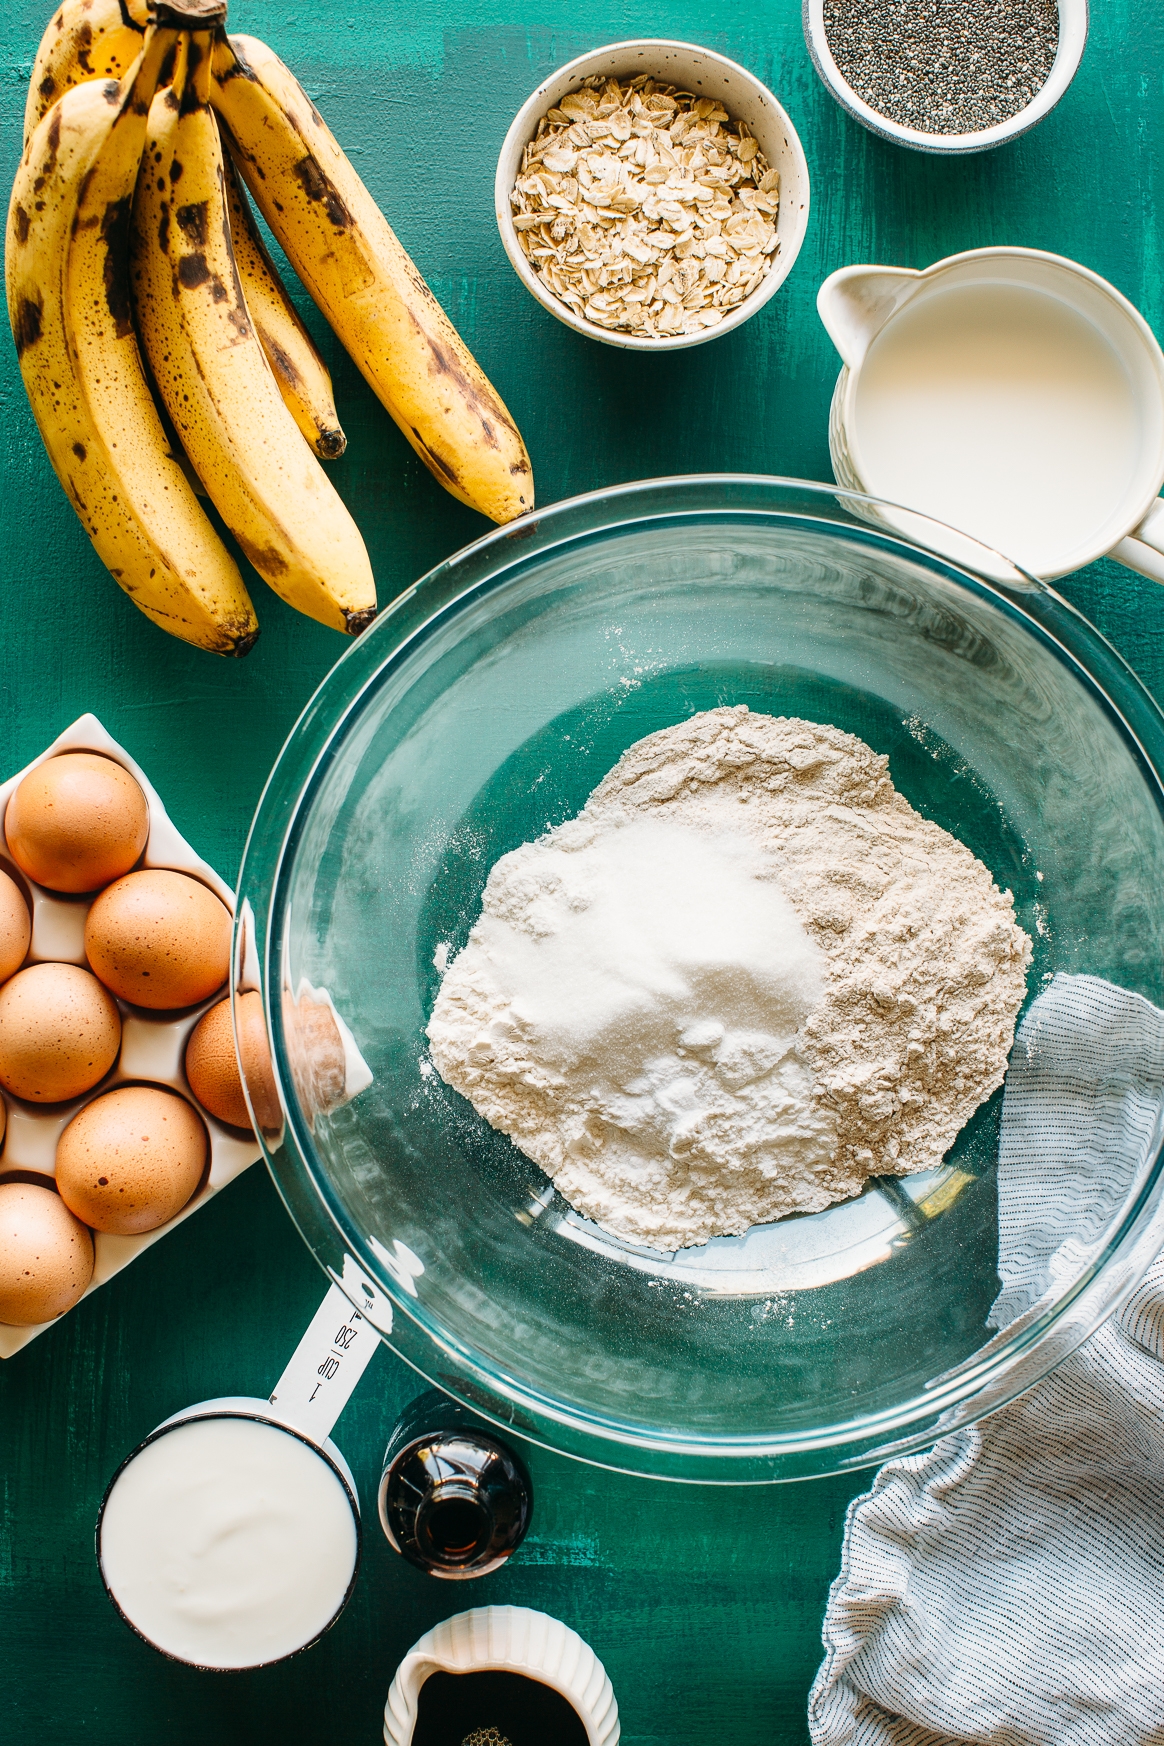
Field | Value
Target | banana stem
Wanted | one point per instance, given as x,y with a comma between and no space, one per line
143,76
181,65
189,14
198,65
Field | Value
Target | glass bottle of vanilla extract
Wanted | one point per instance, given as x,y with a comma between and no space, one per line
454,1499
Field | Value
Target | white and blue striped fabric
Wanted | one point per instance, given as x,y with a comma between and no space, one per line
1006,1588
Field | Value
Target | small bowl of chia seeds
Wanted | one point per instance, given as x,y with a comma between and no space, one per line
947,75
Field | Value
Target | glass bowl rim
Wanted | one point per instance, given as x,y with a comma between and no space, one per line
300,770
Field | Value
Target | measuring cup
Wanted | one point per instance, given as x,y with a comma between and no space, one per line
230,1538
1007,393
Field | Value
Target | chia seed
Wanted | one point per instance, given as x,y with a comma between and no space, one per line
944,66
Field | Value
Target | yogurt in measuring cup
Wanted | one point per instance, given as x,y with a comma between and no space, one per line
229,1541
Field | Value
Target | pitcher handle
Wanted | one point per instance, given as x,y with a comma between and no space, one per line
1143,549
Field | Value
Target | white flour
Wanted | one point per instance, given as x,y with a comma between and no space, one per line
745,978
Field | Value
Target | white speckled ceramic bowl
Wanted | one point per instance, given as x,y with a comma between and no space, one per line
1072,41
691,69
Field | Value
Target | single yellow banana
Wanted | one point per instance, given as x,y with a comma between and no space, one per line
86,39
302,375
212,374
68,303
340,244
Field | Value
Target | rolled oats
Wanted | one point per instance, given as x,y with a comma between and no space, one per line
645,208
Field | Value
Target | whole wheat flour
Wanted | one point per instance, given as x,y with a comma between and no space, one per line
744,979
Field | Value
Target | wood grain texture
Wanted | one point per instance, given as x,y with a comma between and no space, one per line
705,1604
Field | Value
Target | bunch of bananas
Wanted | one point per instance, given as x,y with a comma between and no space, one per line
161,353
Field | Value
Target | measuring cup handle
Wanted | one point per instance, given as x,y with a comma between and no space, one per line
325,1367
1143,550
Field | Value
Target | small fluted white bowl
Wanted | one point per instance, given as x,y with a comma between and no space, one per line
506,1640
691,69
1072,41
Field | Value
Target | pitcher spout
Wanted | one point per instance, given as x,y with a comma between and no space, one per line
854,304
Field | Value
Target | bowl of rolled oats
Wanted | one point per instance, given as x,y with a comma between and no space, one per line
652,195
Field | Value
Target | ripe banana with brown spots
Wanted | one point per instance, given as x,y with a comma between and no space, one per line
213,376
68,303
85,39
302,375
99,39
340,244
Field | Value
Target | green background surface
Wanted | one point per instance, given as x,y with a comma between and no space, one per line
704,1603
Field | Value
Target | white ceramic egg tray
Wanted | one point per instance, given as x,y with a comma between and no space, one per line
153,1045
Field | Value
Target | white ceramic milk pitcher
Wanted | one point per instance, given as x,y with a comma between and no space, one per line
1009,394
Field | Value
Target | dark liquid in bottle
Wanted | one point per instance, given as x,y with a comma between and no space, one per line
494,1709
454,1499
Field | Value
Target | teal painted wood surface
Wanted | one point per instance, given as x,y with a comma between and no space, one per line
705,1604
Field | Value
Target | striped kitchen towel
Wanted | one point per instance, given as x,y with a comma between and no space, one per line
1006,1588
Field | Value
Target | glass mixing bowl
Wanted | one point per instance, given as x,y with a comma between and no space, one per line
484,706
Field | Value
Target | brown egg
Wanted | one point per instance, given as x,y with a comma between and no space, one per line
212,1067
159,939
59,1032
15,927
316,1051
46,1255
76,822
255,1055
131,1159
